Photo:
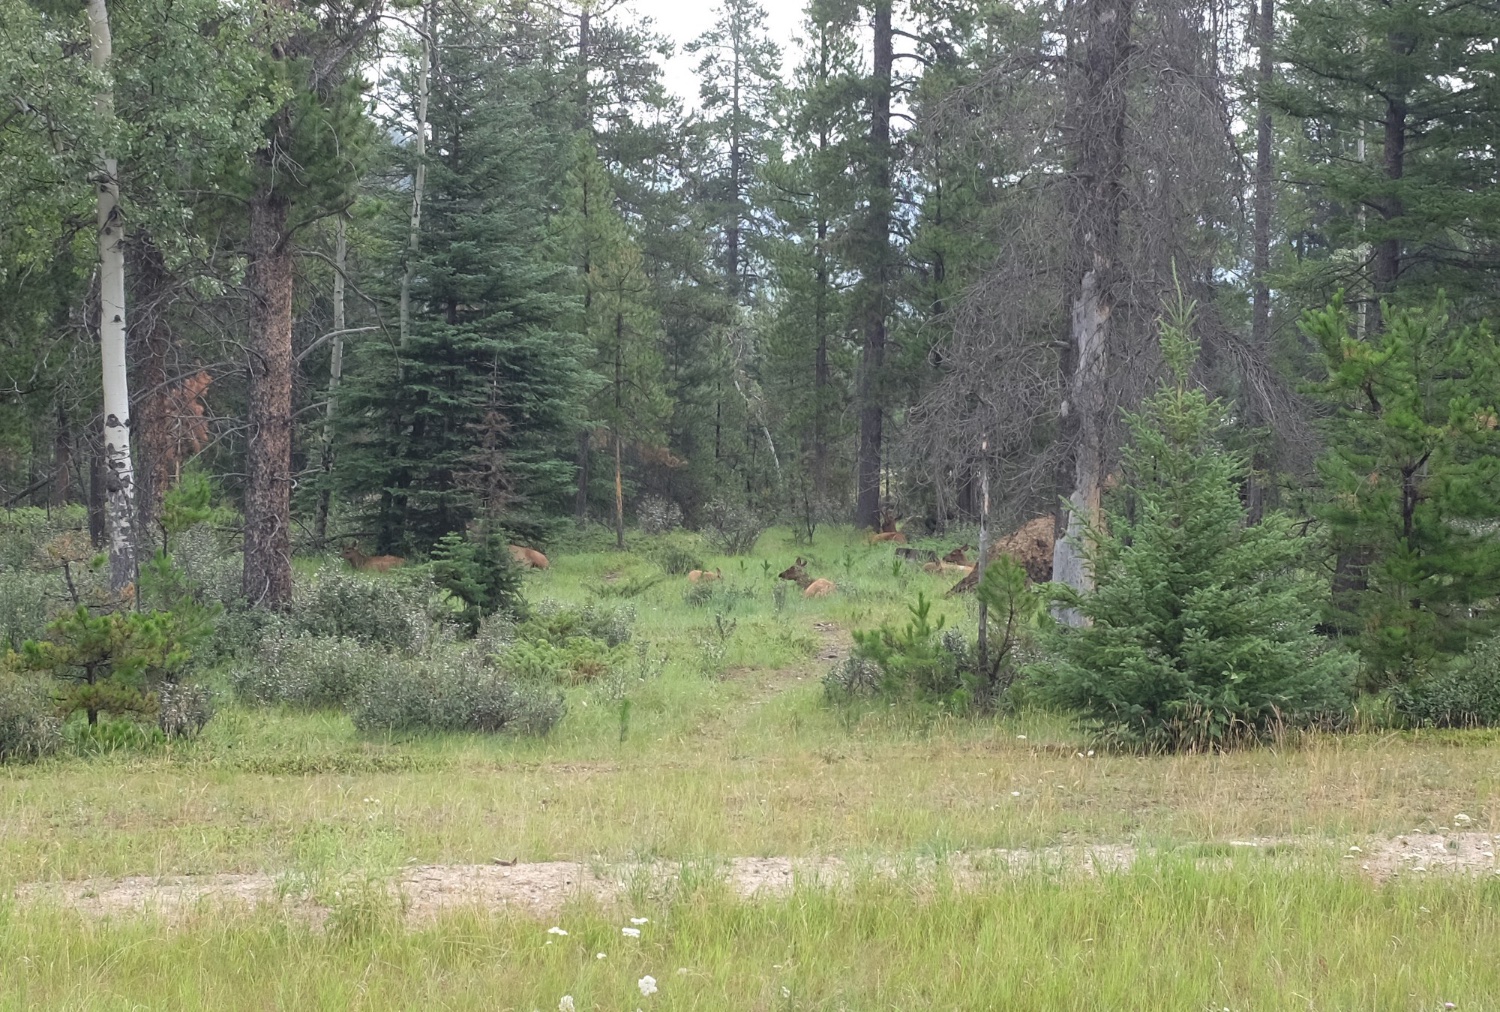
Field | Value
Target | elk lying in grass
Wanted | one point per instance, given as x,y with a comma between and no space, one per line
370,563
958,556
797,573
888,537
705,576
527,558
950,568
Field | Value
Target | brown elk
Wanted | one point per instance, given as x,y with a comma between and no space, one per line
888,537
951,568
528,558
797,573
370,563
958,556
705,576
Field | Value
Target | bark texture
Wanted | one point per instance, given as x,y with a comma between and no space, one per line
119,476
268,483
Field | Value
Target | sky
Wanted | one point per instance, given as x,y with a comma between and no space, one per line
684,20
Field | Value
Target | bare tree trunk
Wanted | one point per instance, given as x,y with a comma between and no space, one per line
1256,486
151,342
581,497
97,498
419,175
268,483
62,459
619,498
877,267
1097,125
984,551
119,474
335,374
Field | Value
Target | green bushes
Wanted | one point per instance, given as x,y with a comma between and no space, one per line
1466,693
556,623
29,727
677,554
453,691
479,572
386,611
307,671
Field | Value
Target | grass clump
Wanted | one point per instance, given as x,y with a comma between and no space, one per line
453,691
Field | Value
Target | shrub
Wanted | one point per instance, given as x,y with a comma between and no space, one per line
1465,693
731,528
183,709
658,515
676,554
479,571
389,611
557,623
309,671
29,728
913,662
854,677
449,692
1200,629
211,567
25,605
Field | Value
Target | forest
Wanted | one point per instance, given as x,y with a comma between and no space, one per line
439,404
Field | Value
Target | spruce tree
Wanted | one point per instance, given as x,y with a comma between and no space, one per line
1200,629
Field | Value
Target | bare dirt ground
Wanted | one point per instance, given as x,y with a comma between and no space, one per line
541,889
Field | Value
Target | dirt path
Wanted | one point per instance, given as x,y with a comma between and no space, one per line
541,889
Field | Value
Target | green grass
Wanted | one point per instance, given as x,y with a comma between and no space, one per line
727,749
1165,936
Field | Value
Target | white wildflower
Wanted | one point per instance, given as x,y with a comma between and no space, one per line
555,930
640,920
1461,819
1020,737
600,955
647,984
1015,794
566,1005
631,932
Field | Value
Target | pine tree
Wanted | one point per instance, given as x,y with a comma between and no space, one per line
1200,628
1412,479
471,417
1395,98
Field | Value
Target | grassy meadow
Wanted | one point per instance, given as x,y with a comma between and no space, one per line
713,741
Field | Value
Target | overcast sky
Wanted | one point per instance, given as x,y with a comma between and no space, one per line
684,20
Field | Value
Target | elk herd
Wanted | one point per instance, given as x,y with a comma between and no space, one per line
1030,545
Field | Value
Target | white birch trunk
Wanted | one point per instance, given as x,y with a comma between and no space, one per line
119,475
419,175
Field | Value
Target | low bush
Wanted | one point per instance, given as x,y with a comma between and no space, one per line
387,611
27,602
730,528
450,692
556,623
658,515
676,554
307,671
29,728
1465,693
183,709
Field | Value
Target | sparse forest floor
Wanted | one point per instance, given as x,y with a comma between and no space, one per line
784,853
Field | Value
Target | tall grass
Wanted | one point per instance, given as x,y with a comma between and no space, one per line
1169,935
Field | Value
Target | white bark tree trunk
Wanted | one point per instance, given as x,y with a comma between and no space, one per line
419,174
119,476
335,374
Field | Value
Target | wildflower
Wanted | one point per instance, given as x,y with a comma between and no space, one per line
647,984
682,971
639,920
1020,737
600,955
1461,819
566,1005
631,932
554,930
1015,794
786,992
